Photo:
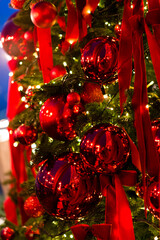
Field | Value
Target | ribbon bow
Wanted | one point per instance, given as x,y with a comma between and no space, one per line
100,231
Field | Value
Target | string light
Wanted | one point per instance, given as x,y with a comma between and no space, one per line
15,144
38,86
20,88
23,99
71,236
10,74
64,64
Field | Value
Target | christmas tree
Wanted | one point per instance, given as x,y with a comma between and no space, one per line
83,106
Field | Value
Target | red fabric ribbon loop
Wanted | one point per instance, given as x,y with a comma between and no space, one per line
137,24
100,231
152,17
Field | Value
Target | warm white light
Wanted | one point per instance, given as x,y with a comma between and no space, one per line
20,63
23,99
15,144
20,88
64,64
71,236
10,74
37,49
38,86
156,238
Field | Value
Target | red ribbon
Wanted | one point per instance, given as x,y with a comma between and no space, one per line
100,231
45,51
142,120
82,25
72,31
117,212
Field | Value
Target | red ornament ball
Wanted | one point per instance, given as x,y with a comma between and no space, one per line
57,71
92,93
139,188
61,190
26,135
7,233
105,147
32,207
28,36
153,199
30,234
53,122
99,59
43,14
118,30
17,4
13,41
73,98
156,134
13,64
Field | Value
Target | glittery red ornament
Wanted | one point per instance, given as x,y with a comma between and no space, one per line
61,190
53,122
118,30
43,14
13,41
73,98
17,4
99,59
7,233
153,199
92,93
30,234
13,64
28,35
105,147
139,188
32,207
58,71
156,133
26,135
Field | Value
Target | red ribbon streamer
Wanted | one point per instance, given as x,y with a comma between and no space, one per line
72,32
143,125
117,211
45,51
82,25
125,55
100,231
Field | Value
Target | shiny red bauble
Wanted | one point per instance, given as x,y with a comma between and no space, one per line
153,199
156,134
99,59
73,98
17,4
62,191
32,207
26,135
139,188
54,122
57,71
105,147
13,41
118,30
92,93
43,14
7,233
